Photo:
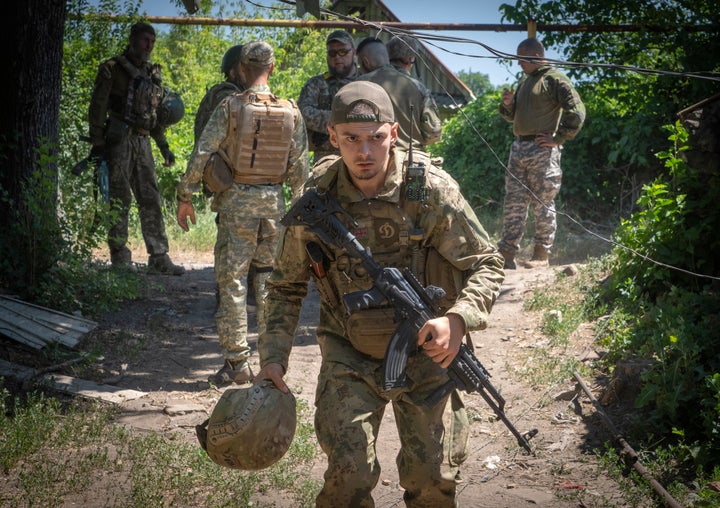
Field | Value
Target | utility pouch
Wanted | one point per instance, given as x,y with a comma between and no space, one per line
218,175
370,331
115,131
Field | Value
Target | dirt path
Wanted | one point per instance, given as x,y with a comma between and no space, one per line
166,345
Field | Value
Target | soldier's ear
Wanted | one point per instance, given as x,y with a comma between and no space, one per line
333,136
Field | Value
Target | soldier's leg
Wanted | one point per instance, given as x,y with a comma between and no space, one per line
147,194
120,160
433,439
516,202
347,418
235,245
262,263
546,179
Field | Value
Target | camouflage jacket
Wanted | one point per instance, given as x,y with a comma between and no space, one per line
451,235
405,91
209,102
545,102
109,97
314,102
232,199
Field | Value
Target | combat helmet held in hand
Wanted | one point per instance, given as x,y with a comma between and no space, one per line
250,428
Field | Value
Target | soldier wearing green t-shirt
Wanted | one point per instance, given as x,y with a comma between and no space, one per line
545,111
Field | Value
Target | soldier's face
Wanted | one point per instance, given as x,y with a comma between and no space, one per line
340,58
142,45
365,148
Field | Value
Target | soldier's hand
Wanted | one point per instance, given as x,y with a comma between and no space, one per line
167,155
97,154
507,96
185,209
441,338
275,373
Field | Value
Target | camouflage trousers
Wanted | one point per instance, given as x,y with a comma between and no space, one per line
533,180
349,409
132,173
241,242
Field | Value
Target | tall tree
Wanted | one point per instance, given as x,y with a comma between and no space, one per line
33,31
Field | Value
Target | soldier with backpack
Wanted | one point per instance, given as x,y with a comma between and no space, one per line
127,108
253,142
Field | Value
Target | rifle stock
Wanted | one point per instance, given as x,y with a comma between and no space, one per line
413,304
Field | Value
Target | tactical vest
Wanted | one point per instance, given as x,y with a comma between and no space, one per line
259,136
143,97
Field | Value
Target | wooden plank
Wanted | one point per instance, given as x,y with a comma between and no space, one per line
70,385
36,326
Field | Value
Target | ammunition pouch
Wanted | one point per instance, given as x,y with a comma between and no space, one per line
218,173
370,330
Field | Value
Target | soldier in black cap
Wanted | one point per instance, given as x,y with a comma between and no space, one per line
317,93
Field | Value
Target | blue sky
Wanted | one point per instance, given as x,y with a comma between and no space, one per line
437,11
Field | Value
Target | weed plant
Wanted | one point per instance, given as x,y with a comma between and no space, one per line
54,455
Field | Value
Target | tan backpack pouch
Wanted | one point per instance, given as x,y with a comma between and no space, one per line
218,175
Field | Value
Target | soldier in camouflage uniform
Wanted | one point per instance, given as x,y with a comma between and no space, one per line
317,93
122,117
545,111
233,83
404,91
247,215
440,239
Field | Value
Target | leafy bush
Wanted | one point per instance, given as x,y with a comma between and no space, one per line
663,310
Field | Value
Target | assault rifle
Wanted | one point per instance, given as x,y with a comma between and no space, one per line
413,304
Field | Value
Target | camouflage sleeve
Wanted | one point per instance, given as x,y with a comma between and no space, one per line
316,119
298,161
210,139
99,103
460,238
158,134
430,123
573,109
286,289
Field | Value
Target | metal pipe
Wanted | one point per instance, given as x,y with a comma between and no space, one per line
350,25
628,454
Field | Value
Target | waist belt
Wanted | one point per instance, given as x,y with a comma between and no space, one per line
139,132
529,137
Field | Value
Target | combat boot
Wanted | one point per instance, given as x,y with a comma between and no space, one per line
539,257
232,372
160,263
121,258
509,257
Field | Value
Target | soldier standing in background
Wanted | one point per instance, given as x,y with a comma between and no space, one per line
402,51
233,83
545,111
449,249
122,118
317,93
263,152
415,109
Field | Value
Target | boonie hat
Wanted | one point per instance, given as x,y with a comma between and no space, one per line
258,54
361,101
341,36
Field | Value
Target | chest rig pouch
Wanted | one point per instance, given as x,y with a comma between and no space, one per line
260,129
143,97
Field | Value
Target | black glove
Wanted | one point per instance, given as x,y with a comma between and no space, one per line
167,154
97,154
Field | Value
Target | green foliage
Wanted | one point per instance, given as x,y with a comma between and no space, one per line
475,146
477,82
659,310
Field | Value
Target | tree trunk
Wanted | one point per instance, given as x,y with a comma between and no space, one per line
32,36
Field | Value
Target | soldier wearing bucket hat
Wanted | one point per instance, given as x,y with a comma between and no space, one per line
317,92
435,234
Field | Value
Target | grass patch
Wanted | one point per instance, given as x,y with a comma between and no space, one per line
54,455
